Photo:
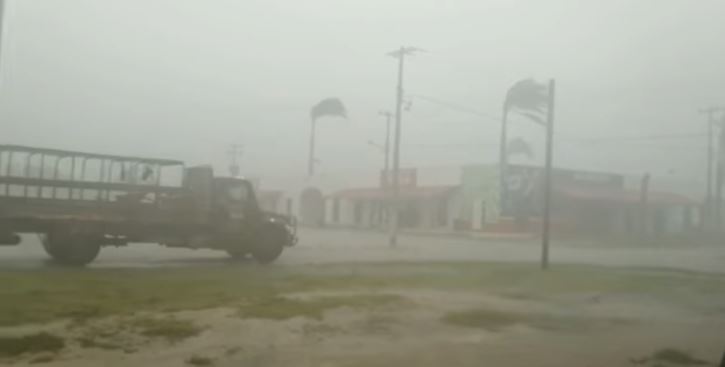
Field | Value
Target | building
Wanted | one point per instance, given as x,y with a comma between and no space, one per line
582,202
477,198
421,206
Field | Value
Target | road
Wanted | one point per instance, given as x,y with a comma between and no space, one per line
337,246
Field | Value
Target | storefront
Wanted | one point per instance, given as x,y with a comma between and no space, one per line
420,206
583,202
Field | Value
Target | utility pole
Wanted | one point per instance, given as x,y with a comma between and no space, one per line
311,153
386,165
707,207
400,55
644,205
719,171
547,176
235,152
2,24
385,176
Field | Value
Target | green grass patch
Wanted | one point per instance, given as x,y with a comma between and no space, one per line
282,308
497,320
678,357
43,295
34,343
484,319
169,328
197,360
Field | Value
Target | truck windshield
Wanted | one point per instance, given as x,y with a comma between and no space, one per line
238,193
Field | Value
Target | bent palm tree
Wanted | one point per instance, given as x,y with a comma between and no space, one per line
530,98
326,107
518,146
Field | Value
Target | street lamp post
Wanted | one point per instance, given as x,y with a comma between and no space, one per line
400,55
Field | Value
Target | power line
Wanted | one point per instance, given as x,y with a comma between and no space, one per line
461,108
456,107
636,138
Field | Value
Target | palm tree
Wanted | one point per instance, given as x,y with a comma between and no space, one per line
518,146
331,107
529,98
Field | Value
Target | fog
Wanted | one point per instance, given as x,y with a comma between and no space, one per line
184,79
612,256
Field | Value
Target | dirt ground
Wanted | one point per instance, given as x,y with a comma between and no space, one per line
580,323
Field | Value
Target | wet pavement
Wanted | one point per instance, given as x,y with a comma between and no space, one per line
339,246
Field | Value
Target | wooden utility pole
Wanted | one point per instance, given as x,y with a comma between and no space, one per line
400,55
546,223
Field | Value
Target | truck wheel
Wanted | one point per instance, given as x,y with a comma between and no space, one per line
52,251
72,250
269,244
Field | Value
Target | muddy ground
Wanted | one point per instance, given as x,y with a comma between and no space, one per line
428,314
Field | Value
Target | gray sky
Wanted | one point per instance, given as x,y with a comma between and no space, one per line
183,79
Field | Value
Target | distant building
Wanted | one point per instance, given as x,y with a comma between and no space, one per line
472,198
583,202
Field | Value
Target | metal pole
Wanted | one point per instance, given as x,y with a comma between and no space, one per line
386,169
386,164
547,178
396,150
707,207
644,203
311,157
502,163
2,22
708,195
719,178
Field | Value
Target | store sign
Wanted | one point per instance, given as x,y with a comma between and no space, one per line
407,177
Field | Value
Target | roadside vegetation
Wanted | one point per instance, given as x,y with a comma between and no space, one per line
497,320
670,357
40,296
12,346
282,308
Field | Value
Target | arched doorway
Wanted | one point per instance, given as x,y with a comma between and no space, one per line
312,207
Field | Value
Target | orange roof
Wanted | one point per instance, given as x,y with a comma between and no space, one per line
376,193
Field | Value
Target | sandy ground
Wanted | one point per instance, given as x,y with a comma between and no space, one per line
337,246
598,330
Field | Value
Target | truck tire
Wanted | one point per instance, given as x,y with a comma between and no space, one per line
269,243
79,250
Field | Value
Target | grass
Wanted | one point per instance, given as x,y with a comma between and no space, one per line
484,319
497,320
33,343
678,357
170,328
196,360
282,308
44,295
